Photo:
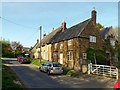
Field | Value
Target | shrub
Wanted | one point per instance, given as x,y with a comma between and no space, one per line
72,74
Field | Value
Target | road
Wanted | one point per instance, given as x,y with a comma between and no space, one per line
33,78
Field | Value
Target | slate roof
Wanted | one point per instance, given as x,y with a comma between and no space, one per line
104,32
107,31
48,38
72,32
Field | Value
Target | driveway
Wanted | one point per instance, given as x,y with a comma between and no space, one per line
33,78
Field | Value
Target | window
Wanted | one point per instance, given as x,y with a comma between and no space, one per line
93,39
55,55
69,42
112,42
84,55
55,45
70,55
61,45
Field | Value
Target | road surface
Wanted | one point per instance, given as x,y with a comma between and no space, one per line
33,78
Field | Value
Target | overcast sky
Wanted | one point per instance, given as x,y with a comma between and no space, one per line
21,20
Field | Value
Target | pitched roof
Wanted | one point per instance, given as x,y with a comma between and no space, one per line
104,32
108,31
71,32
48,38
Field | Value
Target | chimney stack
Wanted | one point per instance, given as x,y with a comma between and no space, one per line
93,15
63,26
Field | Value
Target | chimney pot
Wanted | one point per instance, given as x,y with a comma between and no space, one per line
44,35
37,40
52,29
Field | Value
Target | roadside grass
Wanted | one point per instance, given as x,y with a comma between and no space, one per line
70,73
8,78
36,61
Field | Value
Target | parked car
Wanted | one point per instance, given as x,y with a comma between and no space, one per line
22,59
51,68
19,58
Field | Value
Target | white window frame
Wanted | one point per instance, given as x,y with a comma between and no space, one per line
70,55
84,55
93,39
61,45
70,42
112,42
55,46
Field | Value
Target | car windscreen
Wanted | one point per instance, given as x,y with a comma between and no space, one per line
57,65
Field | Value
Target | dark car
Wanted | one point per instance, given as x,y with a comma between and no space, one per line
51,68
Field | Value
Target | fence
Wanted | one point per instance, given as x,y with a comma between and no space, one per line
104,70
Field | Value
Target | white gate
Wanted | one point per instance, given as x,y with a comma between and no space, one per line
104,70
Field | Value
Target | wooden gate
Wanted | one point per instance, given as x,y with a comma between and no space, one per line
103,70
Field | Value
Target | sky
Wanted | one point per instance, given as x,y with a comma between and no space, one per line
21,20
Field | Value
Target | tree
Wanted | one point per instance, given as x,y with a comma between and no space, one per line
100,26
98,56
12,49
6,49
118,55
17,48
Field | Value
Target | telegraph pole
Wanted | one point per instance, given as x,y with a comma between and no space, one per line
40,41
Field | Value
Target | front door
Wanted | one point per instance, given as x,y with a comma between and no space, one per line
61,58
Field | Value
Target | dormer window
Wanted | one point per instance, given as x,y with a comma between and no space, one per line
69,42
93,39
61,45
55,45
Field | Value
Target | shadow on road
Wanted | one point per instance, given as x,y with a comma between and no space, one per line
34,79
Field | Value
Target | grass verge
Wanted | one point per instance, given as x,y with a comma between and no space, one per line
36,61
70,73
9,78
65,71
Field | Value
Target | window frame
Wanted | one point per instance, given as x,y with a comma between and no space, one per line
70,55
84,55
69,42
61,45
92,39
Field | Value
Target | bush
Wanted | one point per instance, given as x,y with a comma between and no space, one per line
99,55
65,71
72,74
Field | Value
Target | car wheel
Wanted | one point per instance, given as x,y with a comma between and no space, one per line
40,68
48,72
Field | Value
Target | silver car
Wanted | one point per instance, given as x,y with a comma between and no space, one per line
51,68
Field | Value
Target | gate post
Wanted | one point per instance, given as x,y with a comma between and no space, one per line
88,68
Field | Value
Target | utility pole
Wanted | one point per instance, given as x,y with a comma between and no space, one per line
40,42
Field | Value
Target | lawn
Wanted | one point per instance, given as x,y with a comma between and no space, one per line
9,78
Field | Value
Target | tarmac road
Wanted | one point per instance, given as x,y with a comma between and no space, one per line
33,78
